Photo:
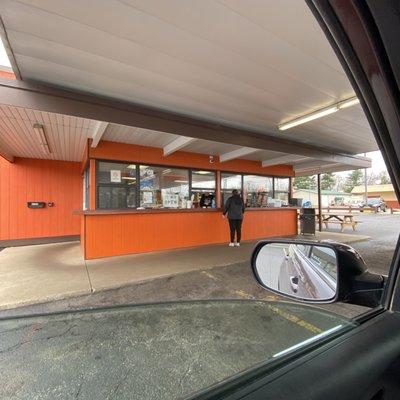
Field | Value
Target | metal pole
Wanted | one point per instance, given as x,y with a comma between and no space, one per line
365,183
319,203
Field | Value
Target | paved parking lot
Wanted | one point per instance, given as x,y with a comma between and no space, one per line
115,354
229,281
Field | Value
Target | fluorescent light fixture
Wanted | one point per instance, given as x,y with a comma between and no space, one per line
348,103
320,113
131,166
308,117
202,172
180,181
129,178
39,129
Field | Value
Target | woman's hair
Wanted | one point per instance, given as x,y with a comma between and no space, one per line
235,191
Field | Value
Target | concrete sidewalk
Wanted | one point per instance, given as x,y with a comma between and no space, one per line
42,273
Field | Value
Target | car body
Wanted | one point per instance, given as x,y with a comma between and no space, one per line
377,203
302,272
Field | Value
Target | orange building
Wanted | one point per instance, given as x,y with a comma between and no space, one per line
145,180
126,198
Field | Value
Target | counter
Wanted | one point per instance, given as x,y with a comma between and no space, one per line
106,233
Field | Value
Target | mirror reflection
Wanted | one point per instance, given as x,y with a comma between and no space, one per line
299,270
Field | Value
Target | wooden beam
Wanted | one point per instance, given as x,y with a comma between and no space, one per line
98,133
177,144
288,158
71,102
243,151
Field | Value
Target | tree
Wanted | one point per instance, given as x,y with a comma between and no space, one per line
304,182
328,181
384,178
354,178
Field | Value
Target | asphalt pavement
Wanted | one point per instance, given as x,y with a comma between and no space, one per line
166,351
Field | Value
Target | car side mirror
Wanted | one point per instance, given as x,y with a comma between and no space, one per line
318,272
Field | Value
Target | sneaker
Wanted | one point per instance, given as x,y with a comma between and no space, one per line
231,244
237,244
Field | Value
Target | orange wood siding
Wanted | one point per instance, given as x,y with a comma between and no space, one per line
39,180
7,75
112,235
392,203
152,155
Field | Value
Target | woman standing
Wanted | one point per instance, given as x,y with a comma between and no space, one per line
234,207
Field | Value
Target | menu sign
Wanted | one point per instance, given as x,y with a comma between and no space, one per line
171,200
115,176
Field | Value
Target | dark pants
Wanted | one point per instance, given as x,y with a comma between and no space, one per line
235,225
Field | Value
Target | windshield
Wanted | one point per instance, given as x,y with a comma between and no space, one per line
153,351
146,148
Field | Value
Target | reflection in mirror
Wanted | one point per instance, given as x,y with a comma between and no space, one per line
307,272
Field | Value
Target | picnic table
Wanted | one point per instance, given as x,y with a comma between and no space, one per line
339,218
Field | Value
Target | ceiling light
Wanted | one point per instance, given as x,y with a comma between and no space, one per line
308,117
131,166
43,141
202,172
348,103
180,181
129,178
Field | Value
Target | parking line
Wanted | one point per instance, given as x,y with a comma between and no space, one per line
290,317
210,275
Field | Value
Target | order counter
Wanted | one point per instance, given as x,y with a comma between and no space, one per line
106,233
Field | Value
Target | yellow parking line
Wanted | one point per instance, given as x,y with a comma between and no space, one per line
242,293
210,275
290,317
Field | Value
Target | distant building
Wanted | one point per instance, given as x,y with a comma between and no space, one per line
385,191
328,197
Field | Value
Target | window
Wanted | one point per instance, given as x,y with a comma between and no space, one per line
257,190
282,189
116,185
228,183
86,191
325,259
163,187
203,189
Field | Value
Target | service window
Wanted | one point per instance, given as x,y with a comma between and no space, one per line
257,190
163,187
282,189
228,183
116,185
203,189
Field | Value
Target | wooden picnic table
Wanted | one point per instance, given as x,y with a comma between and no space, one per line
339,218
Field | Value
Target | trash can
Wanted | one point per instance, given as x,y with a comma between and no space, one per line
307,221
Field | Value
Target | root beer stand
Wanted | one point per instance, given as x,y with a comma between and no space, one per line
137,200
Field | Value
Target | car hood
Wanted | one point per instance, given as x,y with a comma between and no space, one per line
151,351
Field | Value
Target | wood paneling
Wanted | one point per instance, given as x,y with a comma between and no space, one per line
152,155
112,235
39,180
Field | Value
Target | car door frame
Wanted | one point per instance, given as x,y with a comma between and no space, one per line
359,362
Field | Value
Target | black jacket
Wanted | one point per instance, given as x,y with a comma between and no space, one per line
234,207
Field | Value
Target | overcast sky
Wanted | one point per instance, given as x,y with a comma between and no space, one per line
3,56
